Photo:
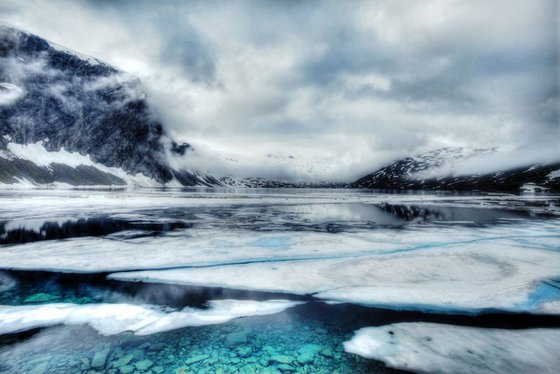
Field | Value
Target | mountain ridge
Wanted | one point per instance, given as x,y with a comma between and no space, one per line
68,118
81,105
437,170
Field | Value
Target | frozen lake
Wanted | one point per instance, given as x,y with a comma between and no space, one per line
284,280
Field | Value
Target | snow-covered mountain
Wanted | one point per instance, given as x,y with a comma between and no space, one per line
462,169
70,118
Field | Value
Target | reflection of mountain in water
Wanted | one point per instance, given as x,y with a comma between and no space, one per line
98,226
414,213
397,215
331,218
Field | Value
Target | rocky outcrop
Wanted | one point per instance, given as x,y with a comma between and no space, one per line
69,101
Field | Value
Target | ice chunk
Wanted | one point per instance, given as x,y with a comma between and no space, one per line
221,311
111,319
216,246
467,277
435,348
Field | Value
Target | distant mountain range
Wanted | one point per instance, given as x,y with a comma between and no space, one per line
441,170
71,119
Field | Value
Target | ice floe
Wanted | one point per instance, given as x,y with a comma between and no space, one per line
246,240
436,348
111,319
207,243
469,276
182,248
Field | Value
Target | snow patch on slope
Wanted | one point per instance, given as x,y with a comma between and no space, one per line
40,156
554,174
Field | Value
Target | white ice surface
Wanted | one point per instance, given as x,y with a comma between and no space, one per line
52,202
213,246
552,307
465,277
435,348
429,267
111,319
29,224
189,248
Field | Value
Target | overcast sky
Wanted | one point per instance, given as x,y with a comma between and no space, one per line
343,87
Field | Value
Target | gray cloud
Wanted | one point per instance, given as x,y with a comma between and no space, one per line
344,87
179,43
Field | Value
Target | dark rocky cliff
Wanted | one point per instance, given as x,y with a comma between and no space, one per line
81,104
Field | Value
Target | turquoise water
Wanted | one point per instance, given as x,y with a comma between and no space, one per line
304,339
280,343
301,339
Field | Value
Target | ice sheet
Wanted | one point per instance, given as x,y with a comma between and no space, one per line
246,239
111,319
434,348
190,248
51,202
204,246
463,277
